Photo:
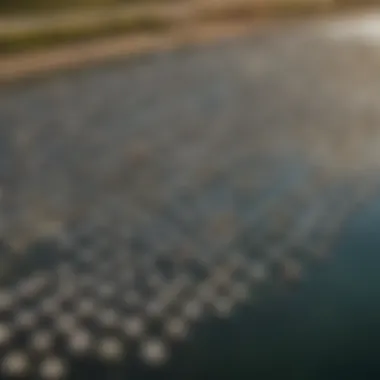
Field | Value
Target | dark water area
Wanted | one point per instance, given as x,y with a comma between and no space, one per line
326,328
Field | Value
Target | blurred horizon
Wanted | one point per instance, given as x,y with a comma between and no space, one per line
20,6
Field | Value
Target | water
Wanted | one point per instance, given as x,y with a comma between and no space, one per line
327,328
144,155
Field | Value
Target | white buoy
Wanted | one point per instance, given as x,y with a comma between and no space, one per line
53,368
86,307
176,328
15,364
107,290
110,349
134,326
30,287
258,271
50,305
154,352
68,288
193,310
108,318
223,306
155,308
42,340
6,334
80,342
26,319
6,300
65,322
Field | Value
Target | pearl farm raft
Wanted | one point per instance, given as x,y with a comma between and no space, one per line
140,200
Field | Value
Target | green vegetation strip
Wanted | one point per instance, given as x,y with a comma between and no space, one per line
43,36
20,35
